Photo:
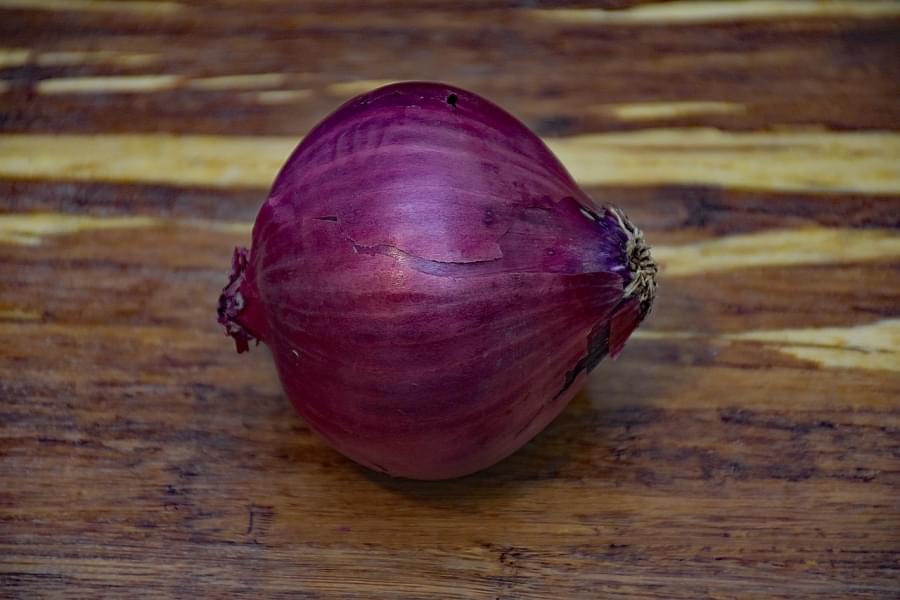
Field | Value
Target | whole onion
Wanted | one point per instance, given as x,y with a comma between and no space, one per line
432,283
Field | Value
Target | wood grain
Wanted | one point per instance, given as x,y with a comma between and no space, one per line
815,161
745,445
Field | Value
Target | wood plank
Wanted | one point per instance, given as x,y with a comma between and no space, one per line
543,80
744,445
779,161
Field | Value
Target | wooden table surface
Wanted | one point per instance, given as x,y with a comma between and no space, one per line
746,444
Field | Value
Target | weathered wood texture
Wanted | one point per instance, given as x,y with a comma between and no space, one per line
746,443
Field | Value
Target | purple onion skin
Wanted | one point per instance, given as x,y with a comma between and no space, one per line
432,283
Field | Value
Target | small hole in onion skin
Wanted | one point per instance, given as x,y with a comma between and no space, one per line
452,99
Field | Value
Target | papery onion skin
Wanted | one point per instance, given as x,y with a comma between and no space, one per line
432,283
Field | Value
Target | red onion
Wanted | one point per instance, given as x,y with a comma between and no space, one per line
432,283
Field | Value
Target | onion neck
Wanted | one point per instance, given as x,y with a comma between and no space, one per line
641,267
240,310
